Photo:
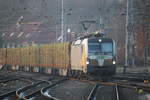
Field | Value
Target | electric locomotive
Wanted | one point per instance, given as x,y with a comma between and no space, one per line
94,54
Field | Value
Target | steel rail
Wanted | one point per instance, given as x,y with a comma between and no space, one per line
132,77
33,94
28,78
5,95
29,87
93,92
134,86
120,84
8,80
9,94
117,92
43,90
38,92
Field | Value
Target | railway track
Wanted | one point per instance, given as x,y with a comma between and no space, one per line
7,79
132,77
9,96
38,95
31,89
93,95
93,92
71,89
42,90
10,85
118,91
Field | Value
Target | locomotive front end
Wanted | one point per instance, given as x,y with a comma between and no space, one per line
101,56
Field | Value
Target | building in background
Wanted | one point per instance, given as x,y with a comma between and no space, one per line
138,32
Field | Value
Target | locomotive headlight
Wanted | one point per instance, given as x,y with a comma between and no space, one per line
100,40
87,62
114,62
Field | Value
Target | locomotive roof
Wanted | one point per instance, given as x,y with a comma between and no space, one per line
97,38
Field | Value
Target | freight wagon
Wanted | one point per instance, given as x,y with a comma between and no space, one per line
85,55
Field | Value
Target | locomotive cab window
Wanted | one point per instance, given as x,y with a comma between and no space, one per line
100,47
106,47
77,42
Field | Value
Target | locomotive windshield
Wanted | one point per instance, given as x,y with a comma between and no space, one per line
100,47
106,47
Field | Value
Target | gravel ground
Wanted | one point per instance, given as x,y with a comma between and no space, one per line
105,93
130,94
71,90
29,75
109,93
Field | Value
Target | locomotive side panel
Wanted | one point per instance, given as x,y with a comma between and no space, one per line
76,55
79,55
